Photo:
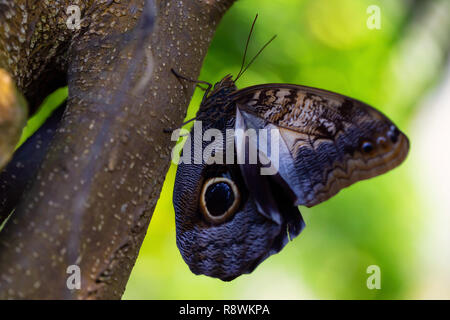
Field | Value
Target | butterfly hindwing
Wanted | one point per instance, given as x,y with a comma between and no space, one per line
260,227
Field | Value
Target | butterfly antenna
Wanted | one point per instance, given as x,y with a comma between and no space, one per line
246,46
256,56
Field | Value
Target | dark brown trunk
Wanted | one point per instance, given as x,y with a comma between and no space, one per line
93,198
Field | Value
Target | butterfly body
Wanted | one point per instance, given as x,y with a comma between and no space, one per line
229,216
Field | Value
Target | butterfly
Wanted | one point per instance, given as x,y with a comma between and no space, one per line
229,216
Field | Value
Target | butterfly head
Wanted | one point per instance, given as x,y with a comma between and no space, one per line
224,87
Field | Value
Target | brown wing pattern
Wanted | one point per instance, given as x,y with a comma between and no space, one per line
329,141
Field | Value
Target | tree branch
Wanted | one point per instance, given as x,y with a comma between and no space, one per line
92,200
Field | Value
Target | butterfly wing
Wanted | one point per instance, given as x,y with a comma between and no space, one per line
273,197
260,227
328,141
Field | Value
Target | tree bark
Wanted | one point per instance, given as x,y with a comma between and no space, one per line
92,200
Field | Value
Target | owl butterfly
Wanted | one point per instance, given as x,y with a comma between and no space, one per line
230,217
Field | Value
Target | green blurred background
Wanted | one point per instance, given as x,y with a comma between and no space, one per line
399,221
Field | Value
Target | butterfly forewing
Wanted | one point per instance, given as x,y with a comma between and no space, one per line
328,141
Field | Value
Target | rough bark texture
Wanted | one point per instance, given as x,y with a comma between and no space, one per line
92,200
